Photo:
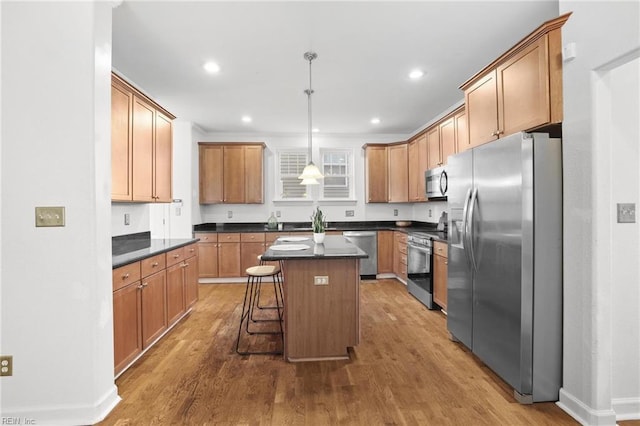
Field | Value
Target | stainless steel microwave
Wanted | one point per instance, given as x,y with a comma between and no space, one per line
436,183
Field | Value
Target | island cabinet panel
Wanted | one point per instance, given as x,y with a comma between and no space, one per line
376,173
385,252
321,321
398,174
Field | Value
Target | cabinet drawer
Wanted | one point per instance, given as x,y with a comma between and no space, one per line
151,265
190,250
440,248
229,238
175,256
206,237
125,275
257,237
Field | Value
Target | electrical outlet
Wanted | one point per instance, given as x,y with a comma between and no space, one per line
348,213
430,213
229,214
395,212
321,280
49,216
277,213
127,219
6,365
626,212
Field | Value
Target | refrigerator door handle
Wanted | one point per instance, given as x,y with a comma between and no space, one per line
465,239
472,204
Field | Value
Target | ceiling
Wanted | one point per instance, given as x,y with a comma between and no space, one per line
366,50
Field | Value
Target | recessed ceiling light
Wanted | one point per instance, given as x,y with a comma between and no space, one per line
211,67
246,119
375,120
415,74
315,130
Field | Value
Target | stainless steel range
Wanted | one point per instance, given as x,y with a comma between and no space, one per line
419,266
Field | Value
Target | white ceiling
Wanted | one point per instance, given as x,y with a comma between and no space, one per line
365,52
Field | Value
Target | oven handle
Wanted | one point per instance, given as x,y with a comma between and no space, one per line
423,249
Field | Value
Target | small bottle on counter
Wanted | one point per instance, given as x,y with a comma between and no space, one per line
272,222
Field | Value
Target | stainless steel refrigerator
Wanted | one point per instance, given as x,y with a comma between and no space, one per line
505,260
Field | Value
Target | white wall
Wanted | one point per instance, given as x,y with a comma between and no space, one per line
56,312
602,32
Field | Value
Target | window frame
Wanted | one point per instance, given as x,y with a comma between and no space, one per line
350,174
278,175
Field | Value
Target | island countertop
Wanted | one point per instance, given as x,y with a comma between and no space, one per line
333,247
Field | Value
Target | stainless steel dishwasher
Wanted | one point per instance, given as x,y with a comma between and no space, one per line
368,242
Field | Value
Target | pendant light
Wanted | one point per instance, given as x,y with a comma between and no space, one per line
311,173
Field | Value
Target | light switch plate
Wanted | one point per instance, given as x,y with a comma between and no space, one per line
321,280
49,216
626,212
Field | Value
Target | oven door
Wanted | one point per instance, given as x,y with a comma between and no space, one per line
419,280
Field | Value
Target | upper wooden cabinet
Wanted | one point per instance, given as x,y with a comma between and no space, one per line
398,174
519,91
462,133
231,173
141,146
418,164
376,173
433,143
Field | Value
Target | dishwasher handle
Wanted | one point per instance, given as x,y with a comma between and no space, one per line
359,234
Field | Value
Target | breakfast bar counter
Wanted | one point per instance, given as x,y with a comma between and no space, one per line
321,296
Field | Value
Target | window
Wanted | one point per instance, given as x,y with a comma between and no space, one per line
291,163
337,168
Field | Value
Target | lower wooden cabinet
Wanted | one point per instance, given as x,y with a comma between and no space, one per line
400,255
440,269
228,255
385,252
149,296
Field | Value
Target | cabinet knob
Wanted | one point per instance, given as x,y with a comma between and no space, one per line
139,287
154,264
145,284
125,276
175,256
446,262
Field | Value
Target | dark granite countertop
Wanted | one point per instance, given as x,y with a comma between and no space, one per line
127,249
424,227
333,247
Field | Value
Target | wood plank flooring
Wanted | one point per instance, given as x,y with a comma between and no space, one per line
404,372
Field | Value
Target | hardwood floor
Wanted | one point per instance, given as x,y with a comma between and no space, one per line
405,371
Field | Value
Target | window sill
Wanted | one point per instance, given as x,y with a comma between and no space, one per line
292,201
337,201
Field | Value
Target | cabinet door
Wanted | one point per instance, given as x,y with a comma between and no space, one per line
440,281
211,176
481,101
413,162
377,174
143,135
229,259
127,326
398,174
176,305
154,307
234,175
121,144
433,147
385,252
249,255
462,133
447,139
253,175
162,159
423,156
207,260
523,87
191,280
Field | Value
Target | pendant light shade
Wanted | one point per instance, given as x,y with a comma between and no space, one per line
311,173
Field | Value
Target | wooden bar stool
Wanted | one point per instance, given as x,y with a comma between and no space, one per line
255,274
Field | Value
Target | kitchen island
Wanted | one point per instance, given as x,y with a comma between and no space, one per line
321,297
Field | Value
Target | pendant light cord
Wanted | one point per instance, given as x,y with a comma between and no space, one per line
310,56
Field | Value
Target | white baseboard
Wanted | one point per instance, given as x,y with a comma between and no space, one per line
583,413
68,415
626,408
